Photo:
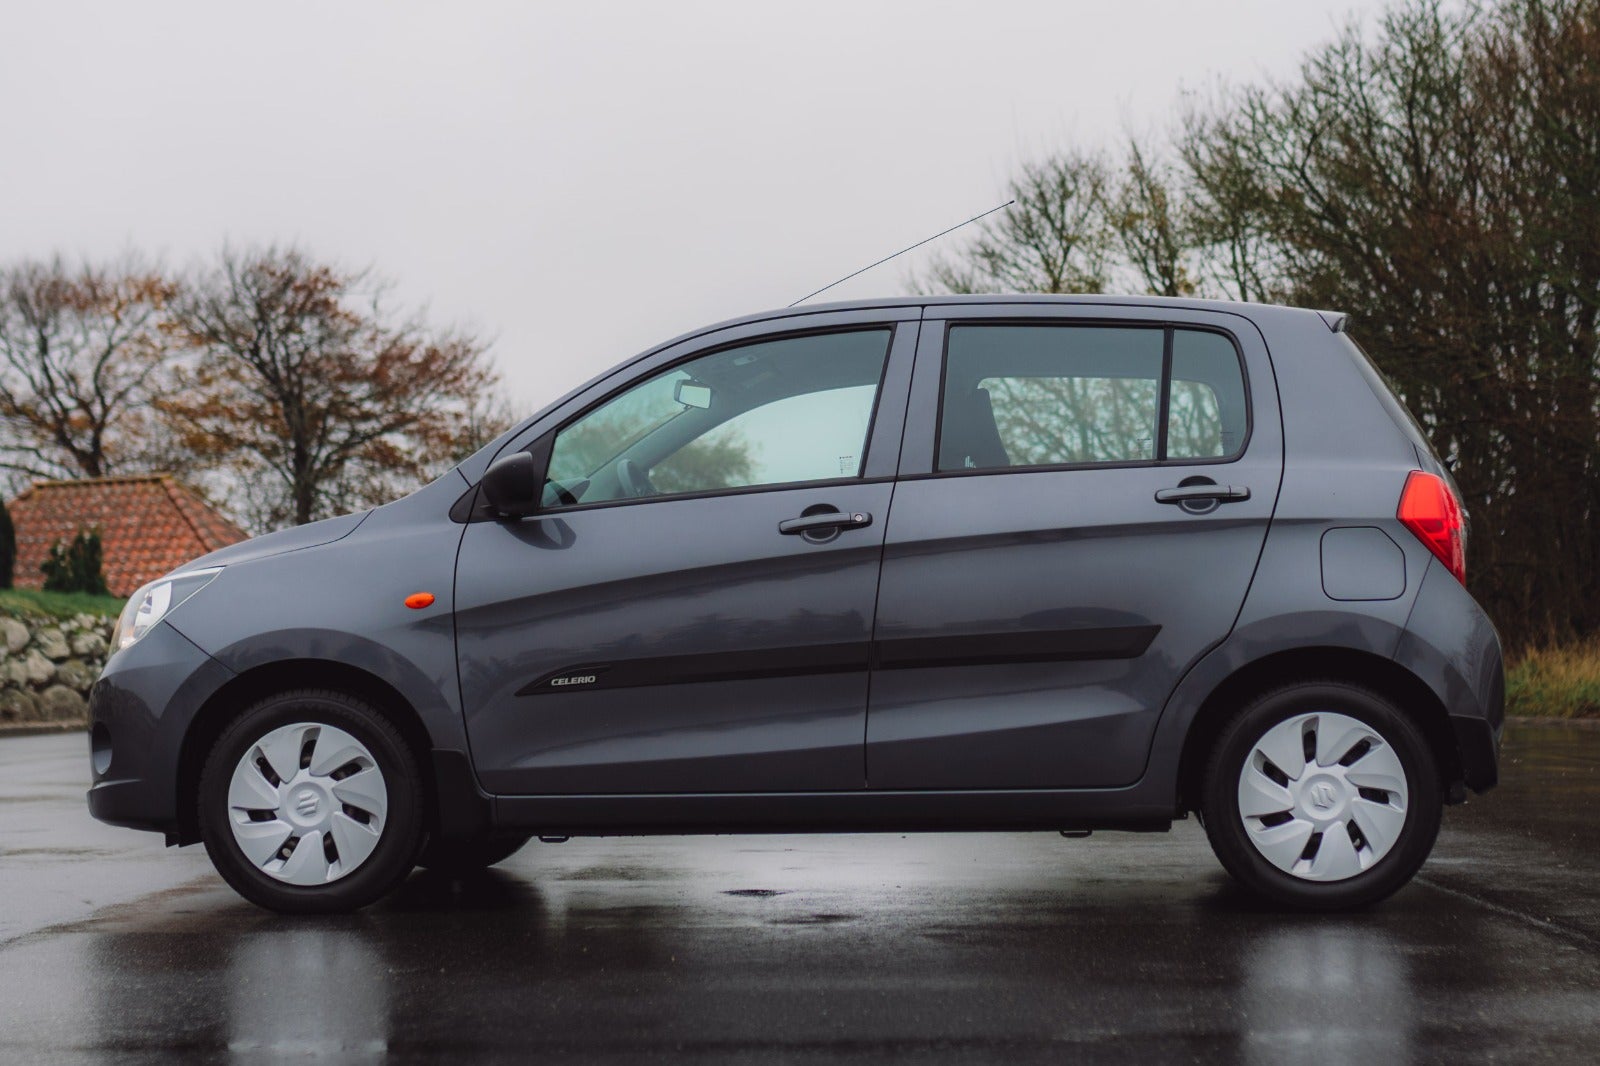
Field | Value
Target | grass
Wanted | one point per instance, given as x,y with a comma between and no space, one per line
1560,682
56,604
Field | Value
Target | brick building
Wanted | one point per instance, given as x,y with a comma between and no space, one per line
148,525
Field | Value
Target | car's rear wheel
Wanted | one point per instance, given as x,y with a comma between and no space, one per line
311,802
1322,796
456,856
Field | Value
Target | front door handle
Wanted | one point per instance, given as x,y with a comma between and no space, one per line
1203,493
827,520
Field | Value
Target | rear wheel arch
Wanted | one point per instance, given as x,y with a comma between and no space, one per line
268,679
1362,669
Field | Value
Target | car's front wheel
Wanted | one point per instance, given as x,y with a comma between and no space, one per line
311,802
1322,796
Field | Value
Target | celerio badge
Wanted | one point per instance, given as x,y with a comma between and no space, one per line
567,680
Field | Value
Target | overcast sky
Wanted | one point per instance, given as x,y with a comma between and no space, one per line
582,180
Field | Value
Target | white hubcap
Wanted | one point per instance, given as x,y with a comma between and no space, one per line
1322,796
307,803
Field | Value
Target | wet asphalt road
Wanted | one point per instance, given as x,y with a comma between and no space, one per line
944,948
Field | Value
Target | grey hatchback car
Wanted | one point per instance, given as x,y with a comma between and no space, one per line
984,563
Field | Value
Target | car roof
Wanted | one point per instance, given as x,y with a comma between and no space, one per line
1335,320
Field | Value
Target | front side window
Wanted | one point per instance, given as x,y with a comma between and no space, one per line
1069,395
777,412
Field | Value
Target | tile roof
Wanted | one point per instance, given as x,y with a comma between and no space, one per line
148,525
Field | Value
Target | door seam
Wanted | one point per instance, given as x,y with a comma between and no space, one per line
883,551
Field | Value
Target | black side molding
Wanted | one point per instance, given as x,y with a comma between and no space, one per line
1040,646
1037,646
715,666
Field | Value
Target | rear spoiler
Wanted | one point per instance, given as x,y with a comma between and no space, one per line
1336,320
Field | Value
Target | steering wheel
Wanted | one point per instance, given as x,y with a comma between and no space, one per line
635,482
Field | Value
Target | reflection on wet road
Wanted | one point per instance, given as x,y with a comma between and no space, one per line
1017,946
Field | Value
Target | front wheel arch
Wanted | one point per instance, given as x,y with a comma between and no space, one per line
1382,676
250,687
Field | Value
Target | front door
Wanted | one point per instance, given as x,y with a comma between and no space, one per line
691,610
1085,494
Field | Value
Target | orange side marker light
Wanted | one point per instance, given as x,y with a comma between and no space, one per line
418,600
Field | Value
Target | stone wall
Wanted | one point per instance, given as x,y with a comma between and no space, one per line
47,666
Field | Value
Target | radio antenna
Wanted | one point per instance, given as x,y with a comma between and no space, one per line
903,251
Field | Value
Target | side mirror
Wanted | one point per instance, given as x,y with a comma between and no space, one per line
511,485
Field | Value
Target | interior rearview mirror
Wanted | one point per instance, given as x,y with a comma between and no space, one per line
693,394
511,485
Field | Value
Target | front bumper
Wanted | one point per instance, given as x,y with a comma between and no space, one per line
139,712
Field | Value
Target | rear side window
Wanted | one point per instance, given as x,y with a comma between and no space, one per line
1206,416
1070,395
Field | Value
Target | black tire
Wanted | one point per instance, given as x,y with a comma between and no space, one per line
401,835
1226,830
447,856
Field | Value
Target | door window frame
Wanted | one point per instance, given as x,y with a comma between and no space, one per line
919,457
885,424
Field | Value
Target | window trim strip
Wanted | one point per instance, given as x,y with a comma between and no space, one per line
1169,328
1164,396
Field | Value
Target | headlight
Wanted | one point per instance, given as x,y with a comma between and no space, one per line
153,602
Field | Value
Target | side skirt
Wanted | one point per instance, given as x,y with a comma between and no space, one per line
827,812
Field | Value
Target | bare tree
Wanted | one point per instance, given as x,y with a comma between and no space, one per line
486,417
1227,214
1081,224
81,350
309,395
1149,217
1439,177
1055,238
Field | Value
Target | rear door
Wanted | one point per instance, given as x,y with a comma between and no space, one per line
691,610
1084,494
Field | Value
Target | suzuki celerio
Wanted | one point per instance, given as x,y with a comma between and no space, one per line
988,563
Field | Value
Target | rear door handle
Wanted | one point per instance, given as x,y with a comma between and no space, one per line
1202,493
813,523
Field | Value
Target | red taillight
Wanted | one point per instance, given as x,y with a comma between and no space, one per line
1431,511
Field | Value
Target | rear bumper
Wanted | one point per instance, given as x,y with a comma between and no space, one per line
1451,645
